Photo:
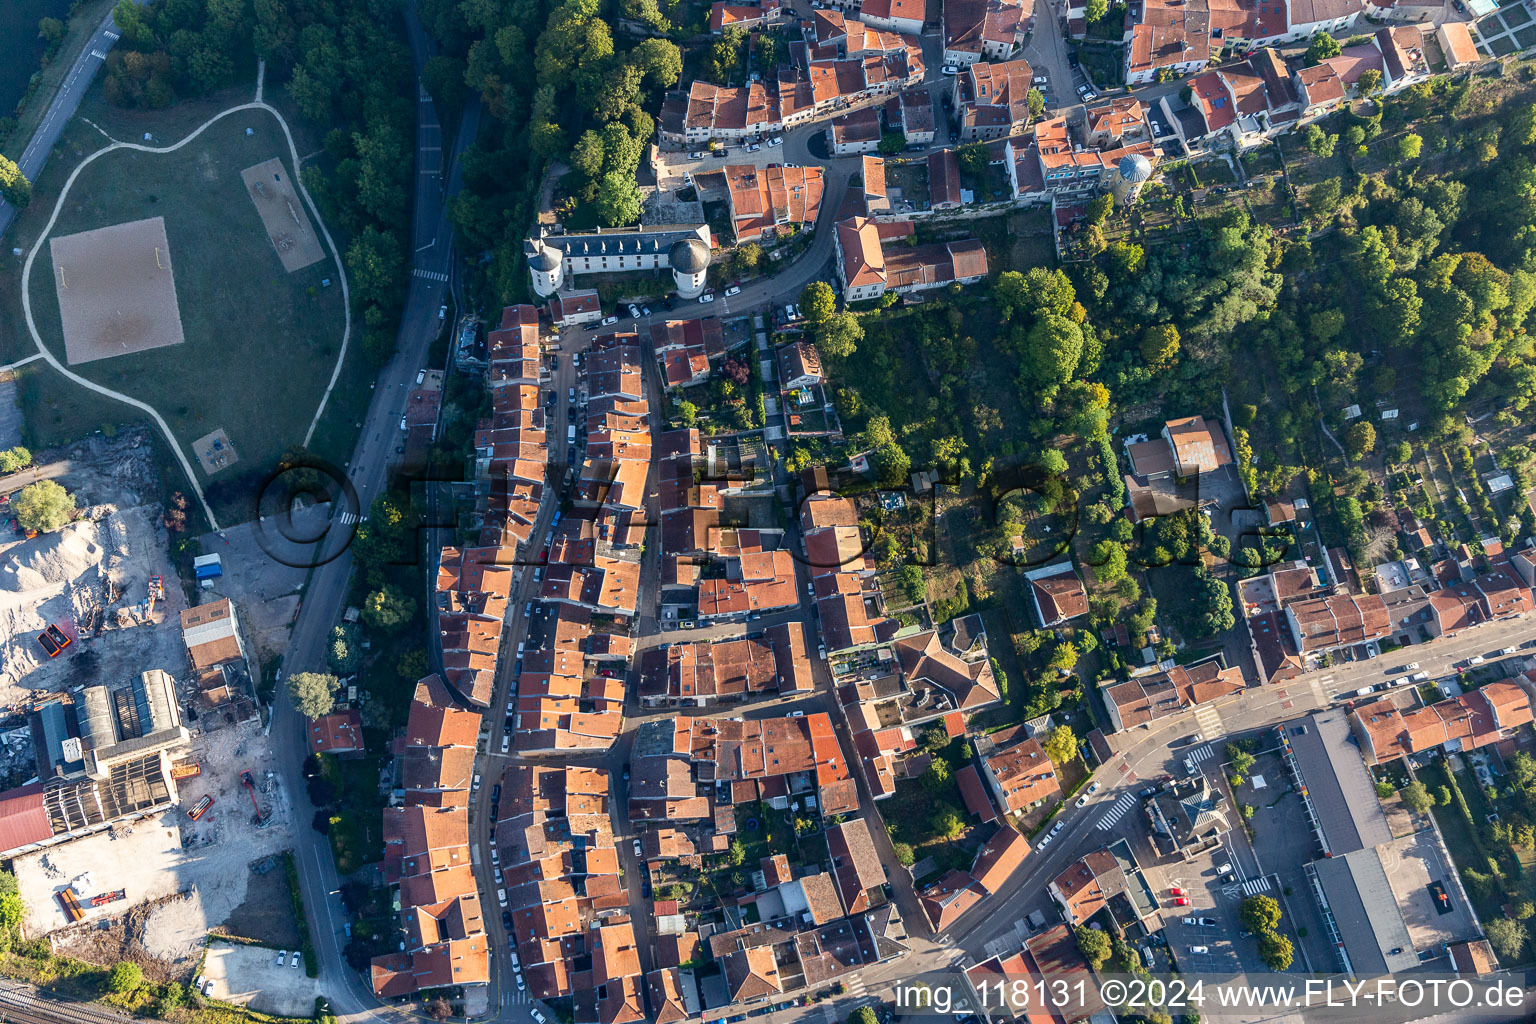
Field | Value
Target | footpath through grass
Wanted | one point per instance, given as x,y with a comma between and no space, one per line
260,343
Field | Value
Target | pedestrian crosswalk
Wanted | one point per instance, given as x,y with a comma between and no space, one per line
1254,886
1209,721
1116,811
431,275
348,518
1201,752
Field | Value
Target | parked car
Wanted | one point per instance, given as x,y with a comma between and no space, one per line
634,310
506,741
707,297
533,1011
476,784
1180,901
950,69
609,321
1082,801
1508,650
754,147
639,850
1041,80
293,959
1208,922
1093,787
501,896
442,312
797,713
1045,841
1174,890
282,955
645,310
733,290
1056,828
775,141
1199,949
1412,666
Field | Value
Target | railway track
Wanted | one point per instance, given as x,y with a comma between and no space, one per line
23,1005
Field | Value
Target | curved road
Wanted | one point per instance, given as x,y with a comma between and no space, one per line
63,106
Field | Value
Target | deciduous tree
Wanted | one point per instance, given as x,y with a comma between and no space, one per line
1323,46
388,608
313,693
44,506
14,186
1061,745
1094,944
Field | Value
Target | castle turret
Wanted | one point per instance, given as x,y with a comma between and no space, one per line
546,264
690,265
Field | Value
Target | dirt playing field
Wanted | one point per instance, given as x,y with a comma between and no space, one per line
215,452
117,293
282,214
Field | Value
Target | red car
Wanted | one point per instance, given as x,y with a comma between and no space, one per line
1176,891
1180,902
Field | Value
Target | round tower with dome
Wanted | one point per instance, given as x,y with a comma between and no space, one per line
689,258
547,265
1131,175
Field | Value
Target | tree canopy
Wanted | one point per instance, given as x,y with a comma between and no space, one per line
313,693
44,506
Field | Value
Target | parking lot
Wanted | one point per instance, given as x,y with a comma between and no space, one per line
1208,923
671,165
249,976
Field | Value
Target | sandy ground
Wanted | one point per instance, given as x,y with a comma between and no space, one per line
249,976
116,290
282,214
192,875
93,575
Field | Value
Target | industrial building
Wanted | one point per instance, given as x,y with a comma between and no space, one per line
103,755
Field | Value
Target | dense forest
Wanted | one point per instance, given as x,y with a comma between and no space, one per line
346,68
586,99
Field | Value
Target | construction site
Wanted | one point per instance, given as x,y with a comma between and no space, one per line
138,809
177,877
87,585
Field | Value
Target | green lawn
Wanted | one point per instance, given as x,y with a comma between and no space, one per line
260,344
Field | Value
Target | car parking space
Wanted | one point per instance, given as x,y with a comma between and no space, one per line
1283,840
671,165
1199,922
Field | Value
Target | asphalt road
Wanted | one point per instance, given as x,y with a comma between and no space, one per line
367,470
65,102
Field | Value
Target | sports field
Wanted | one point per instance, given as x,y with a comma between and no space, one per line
116,291
261,335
